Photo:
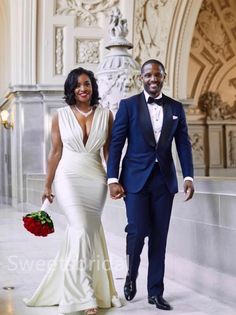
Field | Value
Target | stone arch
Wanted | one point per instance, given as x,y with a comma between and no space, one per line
179,46
203,64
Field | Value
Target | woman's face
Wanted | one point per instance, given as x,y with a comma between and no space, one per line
83,91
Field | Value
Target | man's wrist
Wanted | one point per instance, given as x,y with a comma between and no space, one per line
188,178
112,180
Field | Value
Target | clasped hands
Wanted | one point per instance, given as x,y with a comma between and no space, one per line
116,191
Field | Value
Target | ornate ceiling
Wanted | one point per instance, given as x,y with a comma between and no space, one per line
212,64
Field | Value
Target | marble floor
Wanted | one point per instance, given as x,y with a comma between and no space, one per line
24,259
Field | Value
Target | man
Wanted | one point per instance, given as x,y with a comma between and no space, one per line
150,121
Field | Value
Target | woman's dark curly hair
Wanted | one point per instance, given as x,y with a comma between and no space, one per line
71,84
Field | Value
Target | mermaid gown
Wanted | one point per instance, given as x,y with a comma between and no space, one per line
80,277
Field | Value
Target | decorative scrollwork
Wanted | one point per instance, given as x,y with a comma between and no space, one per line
146,28
232,148
84,9
215,109
88,51
118,25
59,51
198,147
213,31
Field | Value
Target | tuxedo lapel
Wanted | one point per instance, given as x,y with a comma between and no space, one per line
145,121
167,121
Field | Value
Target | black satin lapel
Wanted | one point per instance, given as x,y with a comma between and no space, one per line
145,121
167,122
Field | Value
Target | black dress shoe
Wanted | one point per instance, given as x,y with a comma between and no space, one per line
160,302
129,289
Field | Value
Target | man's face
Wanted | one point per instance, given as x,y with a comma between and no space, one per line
153,78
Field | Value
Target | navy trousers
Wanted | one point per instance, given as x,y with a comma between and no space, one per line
148,214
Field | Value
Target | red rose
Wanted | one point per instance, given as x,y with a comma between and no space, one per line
38,223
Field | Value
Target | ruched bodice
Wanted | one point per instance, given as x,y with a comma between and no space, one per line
72,133
78,158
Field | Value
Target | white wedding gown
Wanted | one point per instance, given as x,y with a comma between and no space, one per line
80,277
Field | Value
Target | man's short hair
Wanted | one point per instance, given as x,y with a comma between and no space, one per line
151,61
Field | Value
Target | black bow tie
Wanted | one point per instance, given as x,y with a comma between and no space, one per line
158,101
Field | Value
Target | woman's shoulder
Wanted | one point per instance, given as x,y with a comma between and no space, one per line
102,110
63,109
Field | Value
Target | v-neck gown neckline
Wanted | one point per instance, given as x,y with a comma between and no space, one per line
80,127
77,280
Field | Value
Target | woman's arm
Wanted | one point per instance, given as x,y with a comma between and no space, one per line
106,145
53,158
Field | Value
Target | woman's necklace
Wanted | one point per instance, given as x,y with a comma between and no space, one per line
83,113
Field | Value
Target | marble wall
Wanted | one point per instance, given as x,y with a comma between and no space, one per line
202,239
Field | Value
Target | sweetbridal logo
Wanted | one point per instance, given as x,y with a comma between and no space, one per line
16,263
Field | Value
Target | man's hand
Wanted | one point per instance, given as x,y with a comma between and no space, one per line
188,189
116,191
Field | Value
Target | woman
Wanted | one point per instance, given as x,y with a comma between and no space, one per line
81,278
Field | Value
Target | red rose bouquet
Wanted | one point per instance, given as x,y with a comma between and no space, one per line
39,223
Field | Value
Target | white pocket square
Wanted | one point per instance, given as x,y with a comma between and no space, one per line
175,117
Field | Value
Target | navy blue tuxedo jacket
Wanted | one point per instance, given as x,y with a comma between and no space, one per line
133,123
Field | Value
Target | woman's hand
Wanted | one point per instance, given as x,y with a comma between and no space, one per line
116,191
48,194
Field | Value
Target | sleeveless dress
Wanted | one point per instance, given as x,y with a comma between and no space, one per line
80,277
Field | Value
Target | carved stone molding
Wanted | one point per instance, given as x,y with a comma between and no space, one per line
232,148
117,85
229,17
234,32
195,43
147,24
223,4
215,109
197,142
59,38
87,51
214,50
232,82
211,74
118,74
118,30
213,32
85,10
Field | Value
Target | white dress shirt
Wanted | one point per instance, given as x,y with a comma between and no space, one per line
156,115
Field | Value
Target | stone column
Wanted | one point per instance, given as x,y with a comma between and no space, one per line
23,41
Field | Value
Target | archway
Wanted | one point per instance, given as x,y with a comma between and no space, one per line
204,72
179,46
